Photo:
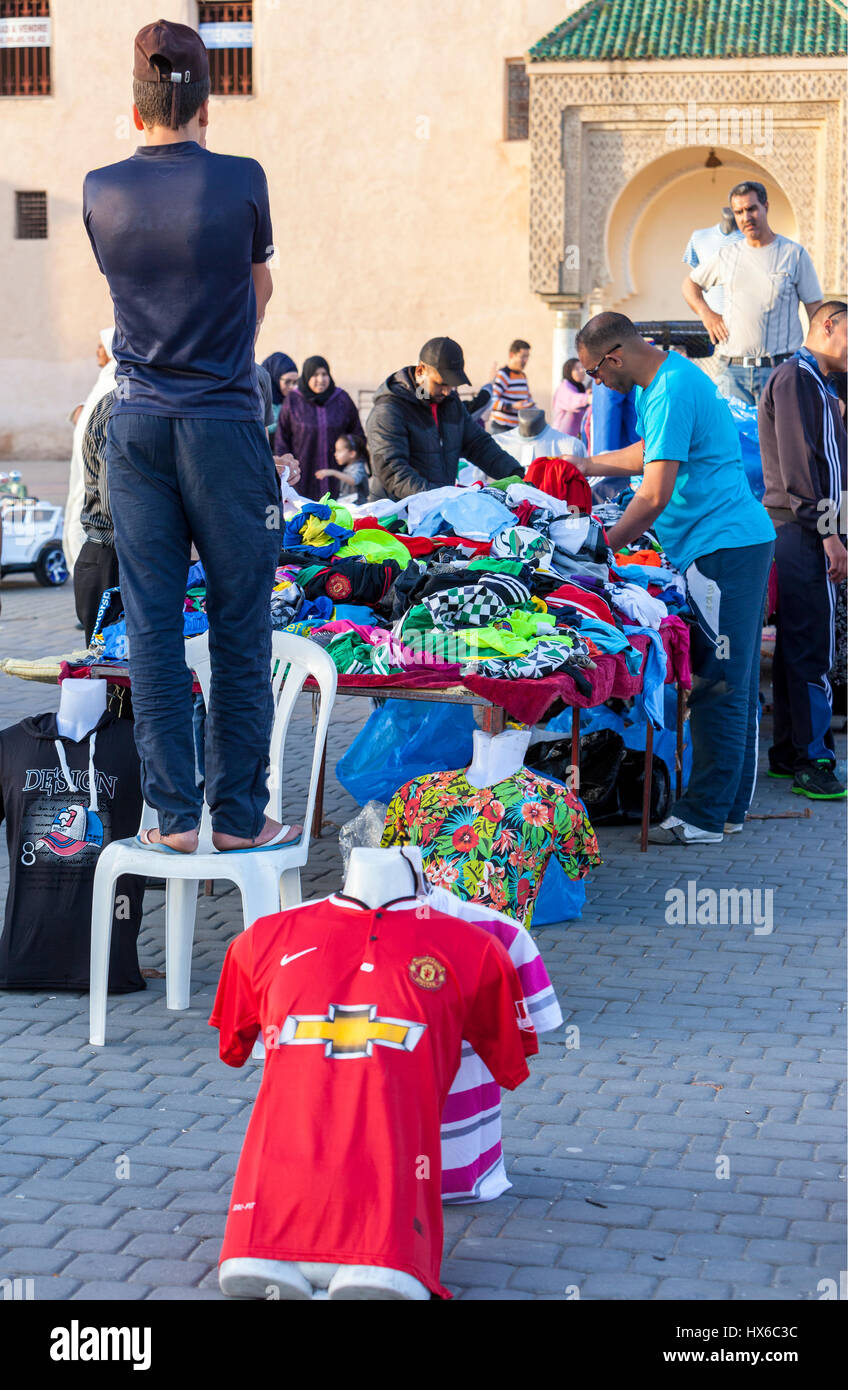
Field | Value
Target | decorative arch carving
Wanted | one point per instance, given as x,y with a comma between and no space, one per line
592,133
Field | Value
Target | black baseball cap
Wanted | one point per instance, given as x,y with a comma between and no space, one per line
446,356
170,52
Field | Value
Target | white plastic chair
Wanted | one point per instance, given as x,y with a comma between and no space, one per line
267,881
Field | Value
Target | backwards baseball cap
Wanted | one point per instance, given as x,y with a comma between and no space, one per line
446,356
169,52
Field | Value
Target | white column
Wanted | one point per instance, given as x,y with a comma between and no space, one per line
559,347
566,328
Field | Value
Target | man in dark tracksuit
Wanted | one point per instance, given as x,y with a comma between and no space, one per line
419,429
803,447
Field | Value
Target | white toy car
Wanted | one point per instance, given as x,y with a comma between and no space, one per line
31,539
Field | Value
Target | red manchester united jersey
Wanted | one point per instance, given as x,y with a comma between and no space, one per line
362,1014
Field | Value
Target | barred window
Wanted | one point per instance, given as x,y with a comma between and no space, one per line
517,100
30,216
24,48
227,31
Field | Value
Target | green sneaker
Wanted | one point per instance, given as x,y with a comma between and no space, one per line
818,781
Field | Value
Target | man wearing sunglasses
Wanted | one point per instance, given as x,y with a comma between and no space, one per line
803,447
695,496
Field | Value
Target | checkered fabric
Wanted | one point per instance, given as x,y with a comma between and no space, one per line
476,605
546,659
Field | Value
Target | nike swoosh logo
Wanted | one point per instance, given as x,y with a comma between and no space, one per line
287,960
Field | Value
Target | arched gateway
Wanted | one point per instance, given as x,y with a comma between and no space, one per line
643,116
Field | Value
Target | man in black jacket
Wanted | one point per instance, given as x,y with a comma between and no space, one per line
803,448
418,429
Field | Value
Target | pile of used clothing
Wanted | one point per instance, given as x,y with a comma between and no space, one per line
499,581
504,581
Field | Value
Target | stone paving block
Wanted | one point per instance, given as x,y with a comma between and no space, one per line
490,1274
660,1199
131,1196
642,1242
90,1238
619,1214
678,1290
514,1252
21,1261
780,1251
691,1221
160,1220
30,1233
745,1291
491,1295
803,1280
102,1265
723,1202
183,1293
666,1266
165,1245
586,1259
828,1257
710,1245
98,1291
19,1165
540,1280
754,1224
200,1201
818,1231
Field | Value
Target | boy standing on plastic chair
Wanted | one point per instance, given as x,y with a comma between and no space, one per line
183,237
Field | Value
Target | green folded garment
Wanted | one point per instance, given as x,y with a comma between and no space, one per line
497,566
504,483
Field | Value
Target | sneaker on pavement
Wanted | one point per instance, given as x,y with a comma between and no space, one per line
783,773
732,827
819,782
674,831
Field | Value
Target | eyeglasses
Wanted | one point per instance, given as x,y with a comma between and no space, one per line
593,371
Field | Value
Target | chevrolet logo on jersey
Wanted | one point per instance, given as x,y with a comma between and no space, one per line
351,1030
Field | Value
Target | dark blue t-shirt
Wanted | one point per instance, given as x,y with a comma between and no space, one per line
175,230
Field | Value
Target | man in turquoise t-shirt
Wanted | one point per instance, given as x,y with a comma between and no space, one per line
696,498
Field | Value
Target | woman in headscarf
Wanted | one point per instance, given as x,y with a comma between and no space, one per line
283,373
74,537
312,417
572,399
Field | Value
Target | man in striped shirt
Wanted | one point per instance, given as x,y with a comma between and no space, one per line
510,392
803,447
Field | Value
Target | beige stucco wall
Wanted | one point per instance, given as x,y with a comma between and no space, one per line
399,210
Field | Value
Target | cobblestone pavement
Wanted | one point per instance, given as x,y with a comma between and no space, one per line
690,1147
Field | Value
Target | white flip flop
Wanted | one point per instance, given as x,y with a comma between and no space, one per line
279,842
155,846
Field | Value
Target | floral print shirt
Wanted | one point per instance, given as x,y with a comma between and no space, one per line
492,844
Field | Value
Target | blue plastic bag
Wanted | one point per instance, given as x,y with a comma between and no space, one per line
405,739
560,898
634,731
745,420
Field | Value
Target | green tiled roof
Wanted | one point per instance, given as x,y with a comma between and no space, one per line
630,29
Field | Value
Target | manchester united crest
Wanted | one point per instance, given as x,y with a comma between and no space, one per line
426,972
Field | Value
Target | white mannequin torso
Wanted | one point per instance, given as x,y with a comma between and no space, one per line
378,876
81,704
497,756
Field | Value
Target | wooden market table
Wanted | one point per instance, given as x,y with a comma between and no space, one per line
494,719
